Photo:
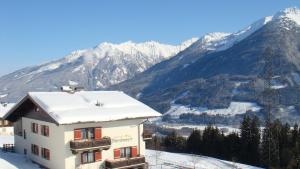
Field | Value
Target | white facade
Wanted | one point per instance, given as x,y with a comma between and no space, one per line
123,133
81,130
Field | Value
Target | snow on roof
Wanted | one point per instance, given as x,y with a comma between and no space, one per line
4,108
91,106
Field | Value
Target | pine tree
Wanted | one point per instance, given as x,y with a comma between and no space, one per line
250,140
245,139
254,141
232,146
170,141
295,136
270,146
194,141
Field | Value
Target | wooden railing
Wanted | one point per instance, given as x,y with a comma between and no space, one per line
104,143
129,162
8,148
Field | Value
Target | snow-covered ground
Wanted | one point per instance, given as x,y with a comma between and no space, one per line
13,160
229,129
166,160
233,109
156,160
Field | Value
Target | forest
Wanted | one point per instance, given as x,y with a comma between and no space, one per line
275,146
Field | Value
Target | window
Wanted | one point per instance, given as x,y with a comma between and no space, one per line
84,133
6,122
34,149
125,152
45,130
87,157
45,153
87,133
34,127
24,134
25,151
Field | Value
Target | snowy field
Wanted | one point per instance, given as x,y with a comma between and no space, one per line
156,160
13,160
226,129
233,109
165,160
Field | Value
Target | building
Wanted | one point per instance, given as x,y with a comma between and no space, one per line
4,108
5,126
84,129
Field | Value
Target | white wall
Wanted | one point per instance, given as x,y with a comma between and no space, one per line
6,131
54,143
123,134
118,131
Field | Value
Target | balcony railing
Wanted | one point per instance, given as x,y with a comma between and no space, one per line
147,135
126,163
78,145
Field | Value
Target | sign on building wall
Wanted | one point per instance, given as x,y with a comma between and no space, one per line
123,138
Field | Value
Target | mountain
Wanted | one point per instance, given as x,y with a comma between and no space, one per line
229,72
95,68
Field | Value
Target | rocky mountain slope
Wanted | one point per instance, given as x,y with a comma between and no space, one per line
259,62
94,68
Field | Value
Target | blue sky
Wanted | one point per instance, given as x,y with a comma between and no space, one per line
34,32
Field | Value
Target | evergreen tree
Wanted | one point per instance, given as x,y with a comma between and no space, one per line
295,136
254,146
232,147
250,140
211,142
194,141
245,139
170,141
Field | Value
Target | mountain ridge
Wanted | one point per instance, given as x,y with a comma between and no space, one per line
92,68
234,72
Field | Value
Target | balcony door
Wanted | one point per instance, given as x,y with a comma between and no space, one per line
87,133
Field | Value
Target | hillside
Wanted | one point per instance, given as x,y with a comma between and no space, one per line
235,68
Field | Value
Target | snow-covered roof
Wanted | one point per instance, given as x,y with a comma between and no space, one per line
4,108
91,106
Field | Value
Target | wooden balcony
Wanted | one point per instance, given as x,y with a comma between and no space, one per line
82,145
134,162
147,135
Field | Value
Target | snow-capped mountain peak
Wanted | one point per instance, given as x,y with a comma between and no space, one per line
98,67
218,41
292,14
154,51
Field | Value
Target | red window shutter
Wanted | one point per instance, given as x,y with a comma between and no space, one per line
98,133
77,134
116,153
133,151
98,155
